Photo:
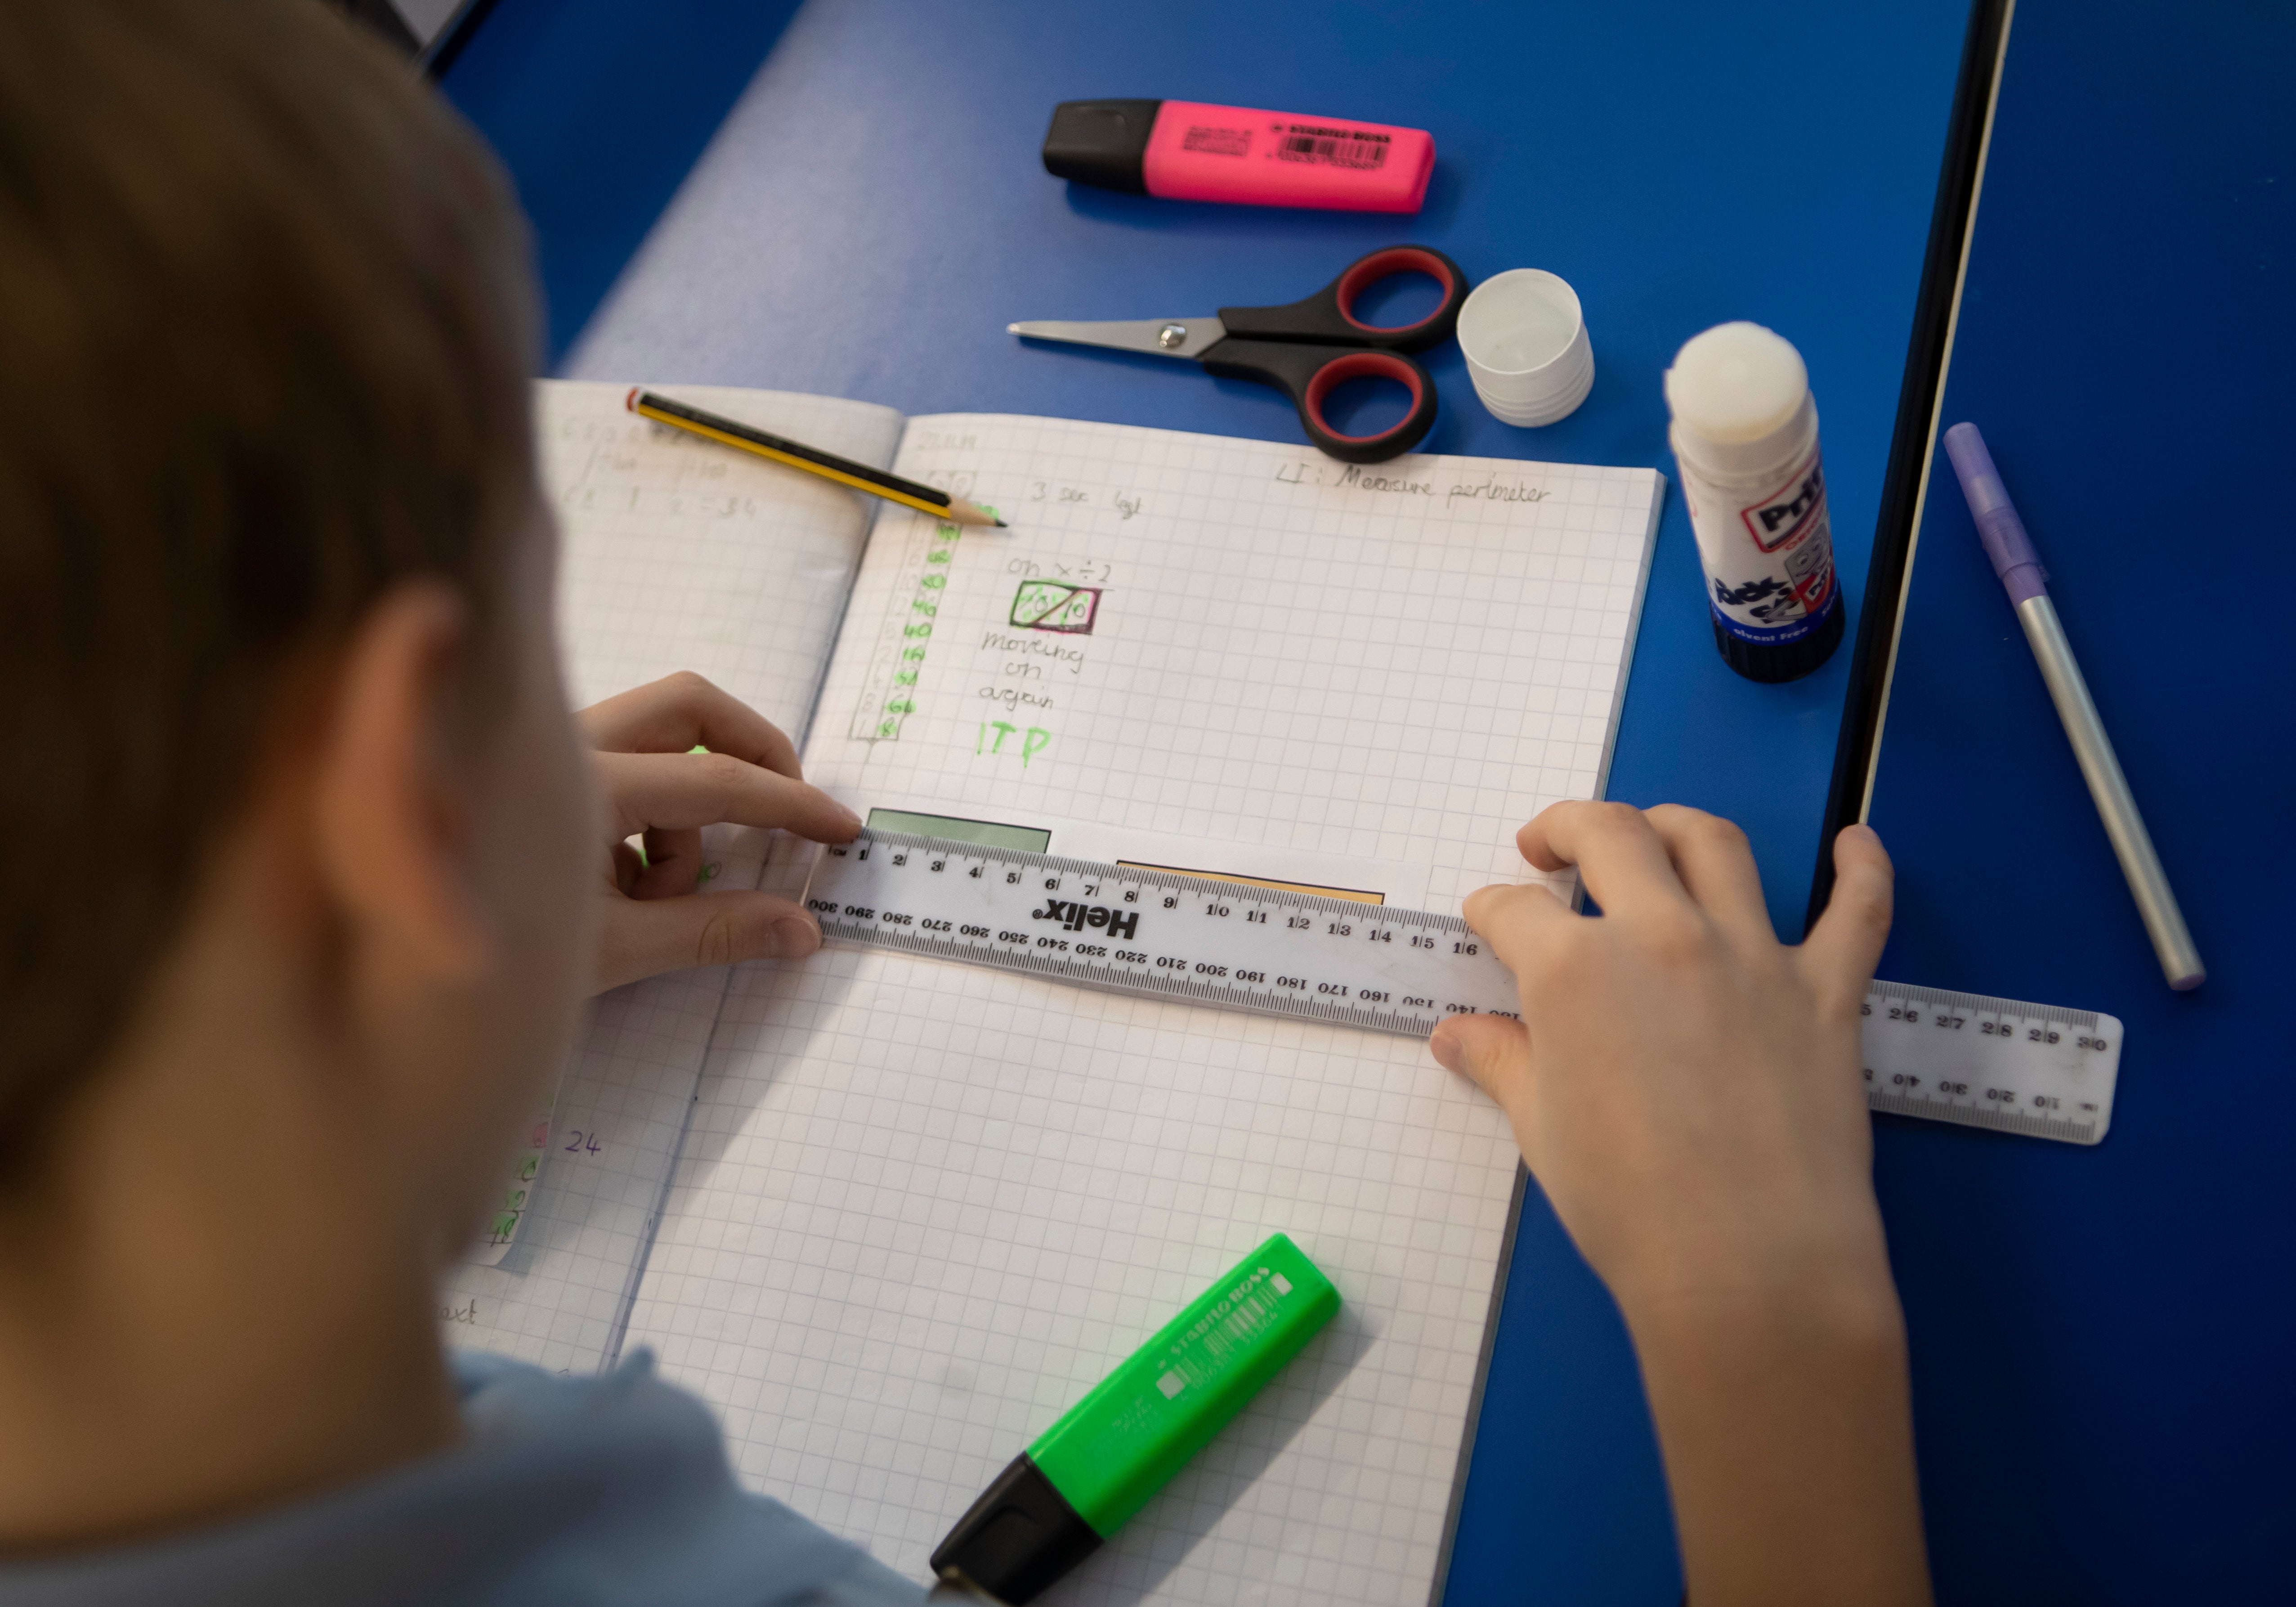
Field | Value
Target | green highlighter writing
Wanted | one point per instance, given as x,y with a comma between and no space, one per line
1097,1465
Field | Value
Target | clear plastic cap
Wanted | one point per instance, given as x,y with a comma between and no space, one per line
1524,336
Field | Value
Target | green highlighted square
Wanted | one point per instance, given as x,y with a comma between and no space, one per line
987,834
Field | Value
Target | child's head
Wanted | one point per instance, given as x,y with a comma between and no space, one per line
288,775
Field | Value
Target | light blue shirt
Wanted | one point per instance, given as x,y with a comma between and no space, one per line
567,1491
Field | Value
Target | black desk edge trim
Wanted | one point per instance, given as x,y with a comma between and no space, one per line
1910,444
440,54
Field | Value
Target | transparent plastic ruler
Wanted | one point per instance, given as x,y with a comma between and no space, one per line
1986,1063
1146,932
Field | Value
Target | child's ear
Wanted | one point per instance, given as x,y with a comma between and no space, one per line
391,833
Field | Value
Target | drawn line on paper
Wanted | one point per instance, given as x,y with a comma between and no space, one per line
1351,894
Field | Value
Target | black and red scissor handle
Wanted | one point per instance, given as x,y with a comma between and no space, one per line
1311,346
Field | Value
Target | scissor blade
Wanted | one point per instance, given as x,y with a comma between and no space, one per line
1162,337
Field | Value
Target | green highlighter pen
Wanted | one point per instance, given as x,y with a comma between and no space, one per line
1096,1467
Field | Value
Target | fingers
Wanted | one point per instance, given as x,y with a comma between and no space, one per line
1717,867
628,865
1490,1051
676,791
1511,918
1846,944
646,936
674,714
1619,854
673,864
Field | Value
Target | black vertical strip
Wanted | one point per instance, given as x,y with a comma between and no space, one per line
1909,445
440,54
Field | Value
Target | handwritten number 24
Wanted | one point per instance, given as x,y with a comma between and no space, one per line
582,1143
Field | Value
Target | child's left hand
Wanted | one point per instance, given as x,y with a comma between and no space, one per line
655,786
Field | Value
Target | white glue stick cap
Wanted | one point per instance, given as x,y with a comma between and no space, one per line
1735,392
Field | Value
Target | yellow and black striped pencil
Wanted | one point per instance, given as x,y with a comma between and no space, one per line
813,460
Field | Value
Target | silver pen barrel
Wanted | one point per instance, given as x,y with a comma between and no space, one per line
2164,922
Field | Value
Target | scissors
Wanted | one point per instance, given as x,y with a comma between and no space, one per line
1306,349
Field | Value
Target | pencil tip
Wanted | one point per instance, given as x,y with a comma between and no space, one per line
1003,526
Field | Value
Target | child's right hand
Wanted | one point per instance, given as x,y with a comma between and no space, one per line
1686,1087
1687,1091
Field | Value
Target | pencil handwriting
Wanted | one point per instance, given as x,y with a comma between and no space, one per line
1494,490
1355,477
1126,503
1017,697
1039,646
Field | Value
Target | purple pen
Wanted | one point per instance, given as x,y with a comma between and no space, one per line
2021,572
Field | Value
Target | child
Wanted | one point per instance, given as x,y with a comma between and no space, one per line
306,868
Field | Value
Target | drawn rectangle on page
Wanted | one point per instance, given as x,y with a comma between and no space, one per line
989,834
1049,605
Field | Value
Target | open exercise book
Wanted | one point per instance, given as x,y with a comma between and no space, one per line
891,1215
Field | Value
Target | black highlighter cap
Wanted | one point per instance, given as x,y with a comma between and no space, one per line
1102,143
1021,1535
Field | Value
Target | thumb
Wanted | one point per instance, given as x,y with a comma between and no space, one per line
1490,1051
1846,944
645,937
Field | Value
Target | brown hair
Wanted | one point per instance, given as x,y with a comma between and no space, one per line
265,324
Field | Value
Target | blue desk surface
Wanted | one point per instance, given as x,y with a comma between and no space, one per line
872,214
2101,1337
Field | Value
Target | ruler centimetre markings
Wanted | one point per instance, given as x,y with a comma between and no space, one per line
1996,1064
1154,932
1988,1062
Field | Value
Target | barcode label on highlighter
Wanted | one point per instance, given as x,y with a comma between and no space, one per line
1333,147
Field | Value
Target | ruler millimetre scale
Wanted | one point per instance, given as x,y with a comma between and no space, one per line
1154,932
1996,1063
1988,1063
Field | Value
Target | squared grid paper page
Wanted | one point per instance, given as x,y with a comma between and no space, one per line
924,1206
674,554
1242,642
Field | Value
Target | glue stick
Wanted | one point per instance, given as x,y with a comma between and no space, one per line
1746,439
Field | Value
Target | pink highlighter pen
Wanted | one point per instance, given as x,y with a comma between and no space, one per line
1184,151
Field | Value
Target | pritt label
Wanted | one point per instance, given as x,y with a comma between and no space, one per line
1787,514
1770,564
